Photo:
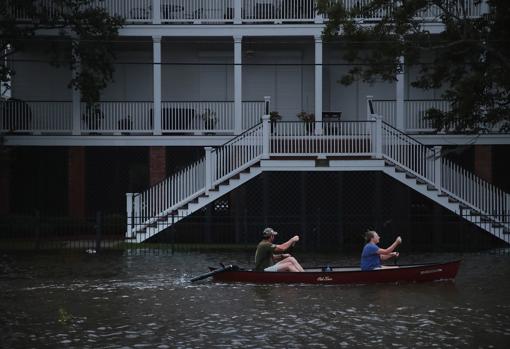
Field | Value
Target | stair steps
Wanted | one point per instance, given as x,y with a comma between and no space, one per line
392,164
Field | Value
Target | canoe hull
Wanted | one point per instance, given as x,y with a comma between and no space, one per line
402,274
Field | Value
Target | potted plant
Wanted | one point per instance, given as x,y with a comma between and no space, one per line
209,117
308,119
274,117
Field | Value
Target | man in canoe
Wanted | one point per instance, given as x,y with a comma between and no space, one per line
265,256
372,254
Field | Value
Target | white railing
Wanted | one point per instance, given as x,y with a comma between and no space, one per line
475,192
466,187
408,153
166,196
253,11
252,114
464,8
117,117
278,10
197,11
35,116
373,139
469,9
236,155
134,11
349,138
125,117
42,7
207,117
197,116
358,4
160,200
386,108
416,112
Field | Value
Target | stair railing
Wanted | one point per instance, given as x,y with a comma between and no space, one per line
428,164
217,165
163,197
236,155
468,188
408,153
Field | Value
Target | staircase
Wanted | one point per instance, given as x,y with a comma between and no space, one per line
322,146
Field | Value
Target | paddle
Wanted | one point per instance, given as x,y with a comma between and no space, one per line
214,272
396,257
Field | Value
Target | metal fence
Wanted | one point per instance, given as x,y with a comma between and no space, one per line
216,230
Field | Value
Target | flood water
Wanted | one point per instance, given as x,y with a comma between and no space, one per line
136,299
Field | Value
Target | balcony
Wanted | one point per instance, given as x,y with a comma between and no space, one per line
232,11
414,113
125,117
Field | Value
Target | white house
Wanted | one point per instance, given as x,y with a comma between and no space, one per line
202,73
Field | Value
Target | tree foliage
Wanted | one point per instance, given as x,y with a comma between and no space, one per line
463,53
77,34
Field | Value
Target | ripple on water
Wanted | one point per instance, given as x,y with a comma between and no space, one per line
151,303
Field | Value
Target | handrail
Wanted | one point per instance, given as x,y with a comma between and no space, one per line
413,100
186,169
407,136
246,149
459,183
237,137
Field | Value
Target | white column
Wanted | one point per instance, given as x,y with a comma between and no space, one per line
238,85
437,167
76,100
318,84
237,12
156,11
400,97
267,105
156,58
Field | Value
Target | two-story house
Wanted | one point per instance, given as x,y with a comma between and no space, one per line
181,128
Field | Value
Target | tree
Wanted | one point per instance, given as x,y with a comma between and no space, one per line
81,38
469,58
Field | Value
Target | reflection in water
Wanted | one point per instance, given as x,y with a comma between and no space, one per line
123,300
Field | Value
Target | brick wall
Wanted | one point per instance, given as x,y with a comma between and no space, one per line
157,164
76,182
483,162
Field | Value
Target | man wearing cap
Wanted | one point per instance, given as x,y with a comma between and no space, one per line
265,257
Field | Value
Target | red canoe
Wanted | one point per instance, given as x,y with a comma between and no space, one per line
352,275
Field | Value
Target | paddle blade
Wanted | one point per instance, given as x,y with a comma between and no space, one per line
211,273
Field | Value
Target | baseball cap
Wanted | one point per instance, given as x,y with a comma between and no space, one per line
269,231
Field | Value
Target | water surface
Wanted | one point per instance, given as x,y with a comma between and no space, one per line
136,300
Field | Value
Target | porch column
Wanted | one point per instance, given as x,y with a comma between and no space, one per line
76,100
76,182
318,84
156,57
238,85
5,181
157,164
483,162
400,97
